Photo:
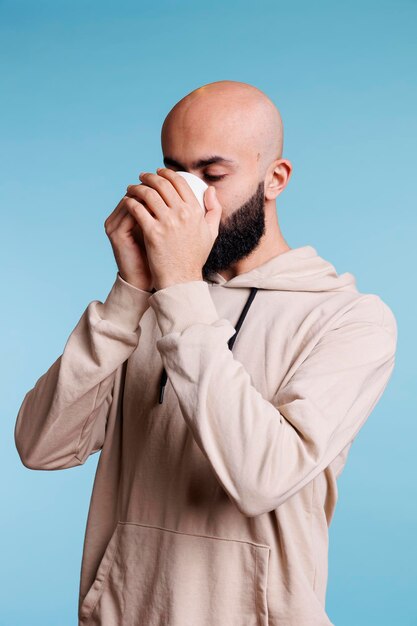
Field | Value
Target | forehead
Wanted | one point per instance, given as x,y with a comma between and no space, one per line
203,148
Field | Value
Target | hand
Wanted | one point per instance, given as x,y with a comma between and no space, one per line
178,236
128,246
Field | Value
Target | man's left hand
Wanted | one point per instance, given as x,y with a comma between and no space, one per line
178,236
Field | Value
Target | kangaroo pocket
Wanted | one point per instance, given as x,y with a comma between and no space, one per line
159,577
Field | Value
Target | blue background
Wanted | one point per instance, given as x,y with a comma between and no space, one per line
86,87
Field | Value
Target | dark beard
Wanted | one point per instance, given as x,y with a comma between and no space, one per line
239,235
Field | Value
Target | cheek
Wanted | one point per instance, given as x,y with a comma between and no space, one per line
229,202
232,196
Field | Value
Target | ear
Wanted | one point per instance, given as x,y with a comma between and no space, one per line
280,175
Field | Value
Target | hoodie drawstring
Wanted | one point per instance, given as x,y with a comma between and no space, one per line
164,376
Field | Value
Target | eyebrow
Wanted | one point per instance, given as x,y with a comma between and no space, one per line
200,163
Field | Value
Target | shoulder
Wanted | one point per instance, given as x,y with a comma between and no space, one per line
370,311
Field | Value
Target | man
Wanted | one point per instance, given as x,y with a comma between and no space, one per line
212,500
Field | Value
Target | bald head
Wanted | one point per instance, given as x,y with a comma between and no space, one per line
226,117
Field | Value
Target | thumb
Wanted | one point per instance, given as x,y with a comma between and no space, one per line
213,207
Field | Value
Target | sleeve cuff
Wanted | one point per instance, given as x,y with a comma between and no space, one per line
183,304
124,305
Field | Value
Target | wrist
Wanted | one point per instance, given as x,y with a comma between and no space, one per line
168,282
142,285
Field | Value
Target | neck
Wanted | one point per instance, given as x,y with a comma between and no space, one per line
270,245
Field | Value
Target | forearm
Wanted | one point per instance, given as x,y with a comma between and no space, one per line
62,418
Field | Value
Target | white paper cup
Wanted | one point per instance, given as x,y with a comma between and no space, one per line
197,185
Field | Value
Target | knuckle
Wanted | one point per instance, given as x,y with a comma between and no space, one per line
165,184
158,233
183,213
130,203
172,221
150,193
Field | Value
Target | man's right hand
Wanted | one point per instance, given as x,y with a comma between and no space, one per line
129,250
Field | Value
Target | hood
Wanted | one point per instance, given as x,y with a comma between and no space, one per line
297,269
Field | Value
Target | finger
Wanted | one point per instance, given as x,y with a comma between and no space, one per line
126,227
179,183
141,215
113,218
125,224
150,197
170,189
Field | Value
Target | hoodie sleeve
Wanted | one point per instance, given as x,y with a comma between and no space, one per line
261,452
62,419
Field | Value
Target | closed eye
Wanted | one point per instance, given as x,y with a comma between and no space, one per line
213,178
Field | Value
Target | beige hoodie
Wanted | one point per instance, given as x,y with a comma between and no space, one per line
212,508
